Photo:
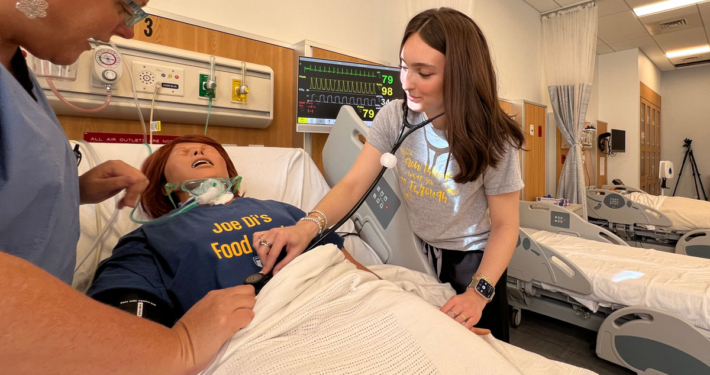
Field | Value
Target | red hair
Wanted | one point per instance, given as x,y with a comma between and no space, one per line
154,201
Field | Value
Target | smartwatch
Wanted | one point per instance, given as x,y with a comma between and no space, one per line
482,285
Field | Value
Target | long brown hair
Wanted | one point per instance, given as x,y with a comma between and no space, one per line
478,130
154,201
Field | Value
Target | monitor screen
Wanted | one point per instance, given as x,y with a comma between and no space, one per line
326,85
618,140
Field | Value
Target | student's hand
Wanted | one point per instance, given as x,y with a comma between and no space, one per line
110,178
211,322
465,308
294,238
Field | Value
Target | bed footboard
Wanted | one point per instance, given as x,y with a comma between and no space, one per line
695,243
651,342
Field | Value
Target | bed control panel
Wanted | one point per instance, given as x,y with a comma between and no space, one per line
383,202
560,220
615,201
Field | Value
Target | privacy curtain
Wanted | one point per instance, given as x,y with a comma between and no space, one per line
569,43
415,7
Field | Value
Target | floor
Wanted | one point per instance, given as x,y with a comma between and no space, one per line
562,342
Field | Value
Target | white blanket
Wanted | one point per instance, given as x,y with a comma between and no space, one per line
686,214
630,276
322,316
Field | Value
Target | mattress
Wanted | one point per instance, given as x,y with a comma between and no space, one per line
631,276
686,214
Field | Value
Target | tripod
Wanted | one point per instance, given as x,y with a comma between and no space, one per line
694,166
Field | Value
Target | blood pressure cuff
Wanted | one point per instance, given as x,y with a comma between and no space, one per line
139,303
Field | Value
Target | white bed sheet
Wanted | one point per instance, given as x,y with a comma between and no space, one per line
686,214
282,174
630,276
322,316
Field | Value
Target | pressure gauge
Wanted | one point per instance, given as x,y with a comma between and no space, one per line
107,65
107,58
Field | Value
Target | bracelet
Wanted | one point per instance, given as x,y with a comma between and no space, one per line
321,213
320,226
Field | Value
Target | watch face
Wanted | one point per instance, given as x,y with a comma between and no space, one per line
255,278
485,288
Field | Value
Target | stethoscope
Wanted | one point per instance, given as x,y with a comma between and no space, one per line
388,161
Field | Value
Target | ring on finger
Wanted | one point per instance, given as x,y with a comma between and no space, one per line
464,319
265,243
453,312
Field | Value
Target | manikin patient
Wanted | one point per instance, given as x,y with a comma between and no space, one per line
166,266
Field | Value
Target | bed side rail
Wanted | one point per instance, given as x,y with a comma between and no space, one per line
695,243
650,341
615,208
556,219
533,261
382,221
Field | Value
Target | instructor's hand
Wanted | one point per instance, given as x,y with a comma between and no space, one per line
294,238
108,179
465,308
211,322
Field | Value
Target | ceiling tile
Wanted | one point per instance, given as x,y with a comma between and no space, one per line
609,7
661,62
603,49
619,27
647,45
689,14
682,39
543,5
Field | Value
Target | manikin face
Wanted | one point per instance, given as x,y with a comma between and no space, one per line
189,161
422,76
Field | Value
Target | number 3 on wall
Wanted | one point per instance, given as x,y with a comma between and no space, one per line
149,27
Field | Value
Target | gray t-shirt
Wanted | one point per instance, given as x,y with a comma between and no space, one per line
441,212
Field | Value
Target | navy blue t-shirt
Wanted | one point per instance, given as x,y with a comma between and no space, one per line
181,259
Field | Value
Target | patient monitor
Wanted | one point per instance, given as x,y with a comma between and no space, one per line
382,221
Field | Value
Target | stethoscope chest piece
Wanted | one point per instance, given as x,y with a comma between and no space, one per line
388,160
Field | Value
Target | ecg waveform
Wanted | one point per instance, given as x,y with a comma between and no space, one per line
342,71
337,85
330,99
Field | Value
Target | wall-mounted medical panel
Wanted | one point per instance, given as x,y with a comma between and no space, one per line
180,76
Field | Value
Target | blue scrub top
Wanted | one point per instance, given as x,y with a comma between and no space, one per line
39,183
180,260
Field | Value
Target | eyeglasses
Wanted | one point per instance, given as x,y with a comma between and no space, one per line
134,13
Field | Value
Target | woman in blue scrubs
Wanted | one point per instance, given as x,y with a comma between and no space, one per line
46,326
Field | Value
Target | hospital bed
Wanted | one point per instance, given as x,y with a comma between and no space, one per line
292,177
580,273
670,224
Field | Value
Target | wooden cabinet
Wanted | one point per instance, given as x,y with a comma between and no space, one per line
650,140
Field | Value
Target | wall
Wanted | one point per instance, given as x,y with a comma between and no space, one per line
649,74
619,95
374,29
685,114
514,32
369,27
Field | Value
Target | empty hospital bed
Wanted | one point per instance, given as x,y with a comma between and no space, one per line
308,328
670,224
650,308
